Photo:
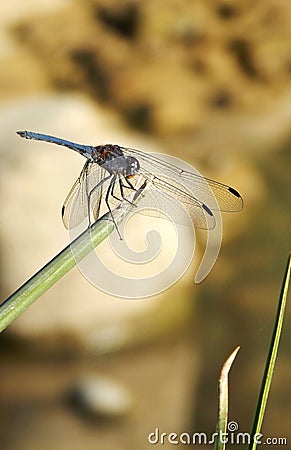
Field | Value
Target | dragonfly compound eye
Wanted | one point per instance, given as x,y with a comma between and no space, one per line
132,166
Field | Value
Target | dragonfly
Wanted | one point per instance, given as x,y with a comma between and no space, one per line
112,172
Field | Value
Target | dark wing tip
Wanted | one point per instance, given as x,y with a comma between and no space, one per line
63,211
234,192
207,209
237,195
210,223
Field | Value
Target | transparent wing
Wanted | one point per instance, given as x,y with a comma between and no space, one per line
165,198
200,188
76,206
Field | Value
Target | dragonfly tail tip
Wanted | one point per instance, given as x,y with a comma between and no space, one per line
22,133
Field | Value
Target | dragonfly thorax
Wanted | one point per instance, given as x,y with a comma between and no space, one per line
105,153
112,159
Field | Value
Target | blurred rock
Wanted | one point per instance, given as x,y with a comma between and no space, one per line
50,403
101,397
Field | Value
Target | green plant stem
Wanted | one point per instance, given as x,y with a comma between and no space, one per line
271,359
55,269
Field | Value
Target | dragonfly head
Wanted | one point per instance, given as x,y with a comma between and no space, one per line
132,166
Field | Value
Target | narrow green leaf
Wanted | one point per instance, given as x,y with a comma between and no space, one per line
271,359
55,269
221,427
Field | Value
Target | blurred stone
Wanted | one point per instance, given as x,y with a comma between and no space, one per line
101,397
41,397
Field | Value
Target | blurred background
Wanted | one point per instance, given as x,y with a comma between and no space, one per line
210,83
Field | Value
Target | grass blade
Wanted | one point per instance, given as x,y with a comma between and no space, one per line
223,402
55,269
271,359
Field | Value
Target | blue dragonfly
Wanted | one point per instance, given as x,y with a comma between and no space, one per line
111,172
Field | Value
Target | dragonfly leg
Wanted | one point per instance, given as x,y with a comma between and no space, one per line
108,193
140,190
130,185
122,186
112,190
91,192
